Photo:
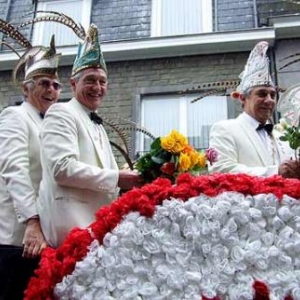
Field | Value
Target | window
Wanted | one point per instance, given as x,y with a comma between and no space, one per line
176,17
161,114
78,10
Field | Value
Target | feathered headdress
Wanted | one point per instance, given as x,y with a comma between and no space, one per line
89,53
38,60
124,128
211,88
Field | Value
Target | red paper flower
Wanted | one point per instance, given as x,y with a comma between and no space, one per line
168,168
261,291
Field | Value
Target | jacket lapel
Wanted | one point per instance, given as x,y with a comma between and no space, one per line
32,113
92,133
254,139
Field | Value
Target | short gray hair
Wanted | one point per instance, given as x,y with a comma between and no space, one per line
248,91
29,83
77,76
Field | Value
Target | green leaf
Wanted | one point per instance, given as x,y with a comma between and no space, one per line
158,160
284,138
156,144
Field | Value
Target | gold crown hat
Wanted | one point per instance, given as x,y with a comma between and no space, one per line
38,61
256,71
89,54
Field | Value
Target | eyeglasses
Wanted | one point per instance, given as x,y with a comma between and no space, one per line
46,84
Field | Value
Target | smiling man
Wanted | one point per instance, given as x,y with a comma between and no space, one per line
80,173
21,237
248,144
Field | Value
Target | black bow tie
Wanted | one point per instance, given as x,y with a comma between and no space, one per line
95,118
267,127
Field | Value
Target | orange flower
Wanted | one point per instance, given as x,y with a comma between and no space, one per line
188,149
184,162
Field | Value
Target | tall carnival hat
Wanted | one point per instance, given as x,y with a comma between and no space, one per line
38,61
256,71
89,54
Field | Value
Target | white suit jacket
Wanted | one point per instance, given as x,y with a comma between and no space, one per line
20,170
241,150
80,173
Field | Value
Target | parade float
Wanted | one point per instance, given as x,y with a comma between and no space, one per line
219,236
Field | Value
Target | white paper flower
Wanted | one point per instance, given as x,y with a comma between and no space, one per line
210,246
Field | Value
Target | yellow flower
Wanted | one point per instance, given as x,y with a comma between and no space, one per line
174,142
195,158
201,160
184,162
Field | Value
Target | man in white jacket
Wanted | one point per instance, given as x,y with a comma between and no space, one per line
248,144
80,173
21,237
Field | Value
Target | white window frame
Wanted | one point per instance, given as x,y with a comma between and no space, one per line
156,17
42,6
184,101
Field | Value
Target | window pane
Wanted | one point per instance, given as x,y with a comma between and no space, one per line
181,17
201,115
176,17
63,34
161,114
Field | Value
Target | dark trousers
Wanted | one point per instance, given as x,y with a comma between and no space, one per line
15,272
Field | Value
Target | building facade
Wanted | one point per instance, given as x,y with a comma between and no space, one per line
162,55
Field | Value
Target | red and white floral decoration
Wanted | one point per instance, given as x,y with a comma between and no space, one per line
221,236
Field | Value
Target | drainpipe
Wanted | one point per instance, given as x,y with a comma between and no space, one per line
255,14
216,16
5,19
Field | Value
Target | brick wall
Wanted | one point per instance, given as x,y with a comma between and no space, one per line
122,19
234,14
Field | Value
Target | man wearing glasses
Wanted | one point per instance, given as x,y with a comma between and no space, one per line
21,236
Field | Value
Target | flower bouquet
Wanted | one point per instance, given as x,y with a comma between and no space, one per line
291,134
172,155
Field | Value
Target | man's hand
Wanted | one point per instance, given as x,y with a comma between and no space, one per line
289,169
129,179
34,241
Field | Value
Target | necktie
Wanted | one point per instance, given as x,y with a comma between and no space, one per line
267,127
95,118
42,115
